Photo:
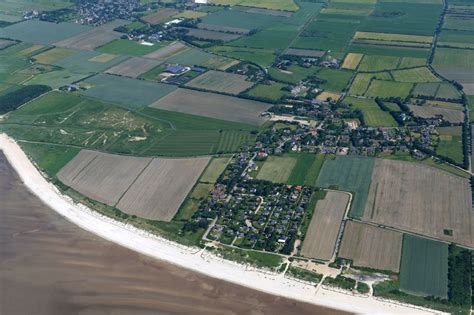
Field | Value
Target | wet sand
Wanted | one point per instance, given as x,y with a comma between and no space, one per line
49,266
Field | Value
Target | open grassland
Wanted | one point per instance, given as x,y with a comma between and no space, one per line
273,92
161,188
450,115
128,92
450,143
133,67
128,47
373,115
287,5
214,106
334,80
277,169
159,16
415,75
51,56
371,246
378,63
420,199
387,89
352,61
39,32
221,82
101,176
166,51
361,82
92,39
348,173
214,170
320,241
424,267
89,62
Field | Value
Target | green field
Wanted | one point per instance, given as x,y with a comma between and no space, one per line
271,92
447,91
128,47
424,267
56,79
349,173
335,80
362,81
262,57
214,170
131,93
450,143
53,55
293,74
88,62
373,115
415,75
190,57
288,5
386,89
306,169
378,63
277,169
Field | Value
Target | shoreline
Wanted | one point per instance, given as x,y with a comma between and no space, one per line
191,258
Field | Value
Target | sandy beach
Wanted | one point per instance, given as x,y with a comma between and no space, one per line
193,259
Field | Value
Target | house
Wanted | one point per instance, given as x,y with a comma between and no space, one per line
175,69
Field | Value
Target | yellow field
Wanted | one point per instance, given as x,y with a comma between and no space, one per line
188,14
352,61
393,37
103,58
325,95
51,56
29,50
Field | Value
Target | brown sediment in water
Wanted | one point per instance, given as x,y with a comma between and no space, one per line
50,266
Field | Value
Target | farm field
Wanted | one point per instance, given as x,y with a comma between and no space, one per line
93,38
166,51
221,82
455,64
159,16
305,52
223,28
424,267
39,32
128,92
274,37
161,188
352,61
450,143
320,240
213,106
209,35
214,170
306,169
334,80
262,57
288,5
101,176
452,115
292,74
51,56
373,115
277,169
133,67
273,92
414,197
387,89
128,47
56,79
415,75
362,81
372,247
191,57
348,173
378,63
89,62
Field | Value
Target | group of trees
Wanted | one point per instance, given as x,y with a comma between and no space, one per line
15,99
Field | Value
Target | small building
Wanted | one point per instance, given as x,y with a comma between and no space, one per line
175,69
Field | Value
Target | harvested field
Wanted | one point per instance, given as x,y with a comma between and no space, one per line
450,115
89,40
277,169
159,16
101,176
370,246
421,199
219,81
214,106
305,52
352,61
320,241
167,51
133,67
424,267
162,187
209,35
223,28
52,56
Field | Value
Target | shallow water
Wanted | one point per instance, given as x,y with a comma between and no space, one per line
50,266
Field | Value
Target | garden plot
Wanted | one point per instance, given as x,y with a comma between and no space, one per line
162,187
133,67
421,199
451,115
370,246
214,106
320,241
101,176
223,82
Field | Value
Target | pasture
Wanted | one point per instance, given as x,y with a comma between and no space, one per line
373,115
40,32
278,36
450,143
277,169
55,79
323,230
262,57
393,37
455,64
292,74
133,67
88,62
450,115
420,199
272,92
361,82
348,173
158,192
213,106
214,170
372,247
219,81
415,75
101,176
128,92
378,63
334,80
387,89
424,267
306,169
